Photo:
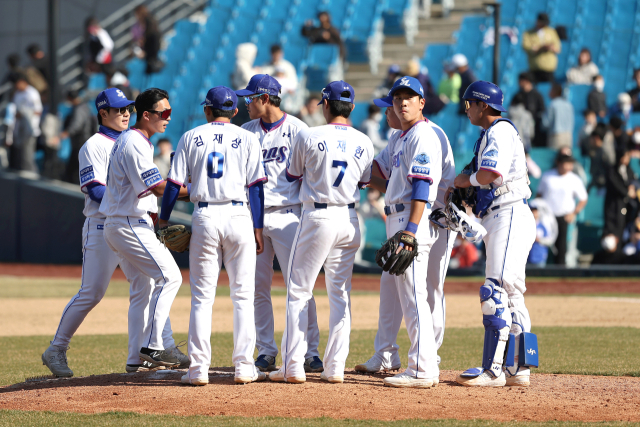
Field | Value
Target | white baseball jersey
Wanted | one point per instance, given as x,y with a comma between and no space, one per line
276,149
222,160
132,174
94,163
333,161
502,151
383,162
409,155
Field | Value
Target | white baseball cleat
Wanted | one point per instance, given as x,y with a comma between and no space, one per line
517,380
405,380
336,379
259,376
194,381
485,379
278,376
55,358
375,364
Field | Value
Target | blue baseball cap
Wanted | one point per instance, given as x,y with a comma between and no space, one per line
218,95
261,83
112,98
333,92
403,82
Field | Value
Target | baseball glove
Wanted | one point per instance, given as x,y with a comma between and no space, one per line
397,263
174,237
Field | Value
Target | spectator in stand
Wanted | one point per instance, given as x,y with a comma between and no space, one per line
542,46
242,73
325,33
147,38
28,107
585,71
584,135
461,65
621,139
620,192
533,101
79,125
311,113
523,119
432,102
464,254
539,252
278,63
449,87
622,108
117,77
635,92
39,60
577,167
13,64
34,77
600,145
597,100
98,46
38,72
558,120
392,75
371,127
163,159
560,188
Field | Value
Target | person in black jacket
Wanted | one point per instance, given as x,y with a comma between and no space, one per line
533,102
635,92
620,192
325,33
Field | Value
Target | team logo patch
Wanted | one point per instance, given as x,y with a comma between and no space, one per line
86,175
100,227
422,158
491,153
151,176
142,221
120,94
421,170
489,163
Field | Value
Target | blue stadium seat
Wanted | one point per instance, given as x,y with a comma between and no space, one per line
594,211
359,114
97,81
578,96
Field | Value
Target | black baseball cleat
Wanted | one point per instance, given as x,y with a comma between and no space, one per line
158,357
143,367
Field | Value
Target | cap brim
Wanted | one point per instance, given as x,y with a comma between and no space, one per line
244,92
120,104
384,102
499,108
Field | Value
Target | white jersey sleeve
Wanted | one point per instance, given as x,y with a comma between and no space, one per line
93,161
179,171
254,167
140,169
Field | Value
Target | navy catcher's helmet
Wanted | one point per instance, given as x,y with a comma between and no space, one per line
486,92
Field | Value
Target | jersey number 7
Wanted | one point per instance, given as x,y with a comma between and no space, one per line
218,167
343,167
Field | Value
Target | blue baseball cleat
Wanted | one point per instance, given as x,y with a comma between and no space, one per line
266,363
313,364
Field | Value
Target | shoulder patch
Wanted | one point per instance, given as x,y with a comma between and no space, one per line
489,163
86,175
151,176
422,158
491,153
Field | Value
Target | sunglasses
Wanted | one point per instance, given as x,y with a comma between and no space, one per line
249,99
164,115
123,110
467,104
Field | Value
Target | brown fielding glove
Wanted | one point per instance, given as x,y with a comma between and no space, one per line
397,263
174,237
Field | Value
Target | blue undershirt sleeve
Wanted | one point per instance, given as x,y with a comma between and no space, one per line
256,200
420,190
96,191
169,198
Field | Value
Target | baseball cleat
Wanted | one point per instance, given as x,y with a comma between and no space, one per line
278,376
55,358
336,379
182,358
158,357
194,381
485,379
266,363
313,364
517,381
259,376
405,380
143,367
375,364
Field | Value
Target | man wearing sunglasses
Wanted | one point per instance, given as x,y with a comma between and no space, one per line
275,130
498,173
129,204
99,261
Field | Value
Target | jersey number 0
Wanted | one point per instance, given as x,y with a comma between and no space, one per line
218,167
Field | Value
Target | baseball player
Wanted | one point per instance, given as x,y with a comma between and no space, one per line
275,131
415,167
386,355
498,174
224,163
334,161
133,182
99,262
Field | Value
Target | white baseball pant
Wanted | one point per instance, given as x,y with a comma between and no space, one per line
511,231
390,315
411,288
222,233
280,225
134,240
98,264
327,237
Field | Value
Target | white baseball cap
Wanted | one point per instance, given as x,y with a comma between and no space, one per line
459,60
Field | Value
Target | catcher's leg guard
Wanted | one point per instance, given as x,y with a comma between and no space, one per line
496,325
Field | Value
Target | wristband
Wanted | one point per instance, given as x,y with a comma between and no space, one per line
189,189
474,180
412,227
